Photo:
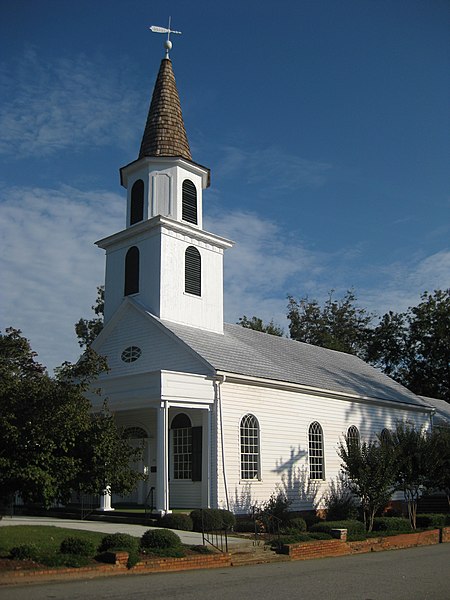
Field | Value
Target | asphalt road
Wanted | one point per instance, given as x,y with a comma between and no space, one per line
413,574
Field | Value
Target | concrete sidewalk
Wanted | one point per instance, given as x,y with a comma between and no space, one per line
187,537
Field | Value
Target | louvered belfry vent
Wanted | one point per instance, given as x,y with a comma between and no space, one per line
193,272
189,202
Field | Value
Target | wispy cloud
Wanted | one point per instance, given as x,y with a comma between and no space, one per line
69,103
50,267
273,166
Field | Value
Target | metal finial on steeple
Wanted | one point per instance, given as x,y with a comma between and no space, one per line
167,43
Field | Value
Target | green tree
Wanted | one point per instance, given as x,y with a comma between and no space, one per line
45,422
257,324
88,329
439,474
387,347
414,456
428,369
338,324
369,468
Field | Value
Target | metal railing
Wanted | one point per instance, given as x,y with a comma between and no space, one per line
149,505
218,539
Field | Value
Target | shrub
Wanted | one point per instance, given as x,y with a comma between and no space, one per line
390,524
201,549
228,519
176,521
160,539
297,523
339,502
172,552
24,552
77,546
246,525
209,518
353,527
277,506
119,541
431,520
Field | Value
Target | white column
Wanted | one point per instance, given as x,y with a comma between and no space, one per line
105,500
206,458
162,459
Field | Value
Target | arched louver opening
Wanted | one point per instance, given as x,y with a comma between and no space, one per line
249,434
137,202
132,271
189,196
316,458
193,272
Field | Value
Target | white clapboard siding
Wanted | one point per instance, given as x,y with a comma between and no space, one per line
159,350
284,418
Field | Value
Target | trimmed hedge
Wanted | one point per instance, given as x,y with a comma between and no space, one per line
119,541
160,539
389,524
77,547
353,527
432,520
176,521
24,552
212,519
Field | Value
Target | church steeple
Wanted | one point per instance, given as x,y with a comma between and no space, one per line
164,258
164,133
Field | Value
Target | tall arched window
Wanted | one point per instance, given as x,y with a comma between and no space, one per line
316,458
249,430
352,436
385,436
132,271
189,202
137,202
193,271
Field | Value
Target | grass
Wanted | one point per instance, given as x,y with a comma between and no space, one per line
47,539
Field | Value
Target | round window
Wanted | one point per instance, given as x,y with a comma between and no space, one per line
131,354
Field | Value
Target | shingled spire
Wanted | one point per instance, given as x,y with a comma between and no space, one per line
164,133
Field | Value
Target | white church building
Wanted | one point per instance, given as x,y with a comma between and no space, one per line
227,415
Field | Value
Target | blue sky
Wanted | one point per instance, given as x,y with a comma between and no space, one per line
325,125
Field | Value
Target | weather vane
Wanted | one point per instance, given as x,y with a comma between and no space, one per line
167,43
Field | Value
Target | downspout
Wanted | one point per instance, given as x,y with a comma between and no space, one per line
219,379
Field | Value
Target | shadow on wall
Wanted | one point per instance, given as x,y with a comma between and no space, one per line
304,493
243,502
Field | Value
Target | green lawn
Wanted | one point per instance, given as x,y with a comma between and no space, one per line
47,539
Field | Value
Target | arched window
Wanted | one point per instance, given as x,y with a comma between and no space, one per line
135,433
132,271
189,201
249,447
193,271
137,202
316,459
352,436
385,436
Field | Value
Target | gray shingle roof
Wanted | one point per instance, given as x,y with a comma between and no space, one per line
247,352
442,416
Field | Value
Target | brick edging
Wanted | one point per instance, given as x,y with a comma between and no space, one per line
336,547
150,565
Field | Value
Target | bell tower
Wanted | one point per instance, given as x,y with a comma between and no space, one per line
163,257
